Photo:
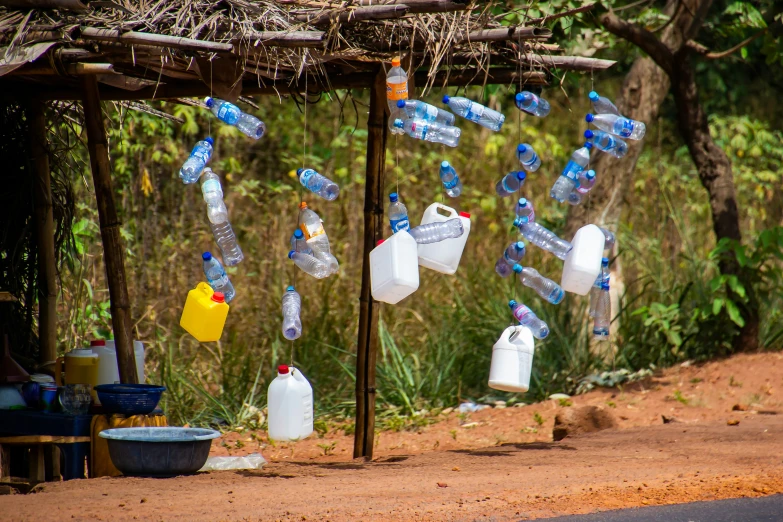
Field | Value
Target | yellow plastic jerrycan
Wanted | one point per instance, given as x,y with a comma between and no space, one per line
204,314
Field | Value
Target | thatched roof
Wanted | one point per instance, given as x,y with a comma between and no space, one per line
171,48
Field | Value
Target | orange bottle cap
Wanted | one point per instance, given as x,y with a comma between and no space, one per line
302,205
395,62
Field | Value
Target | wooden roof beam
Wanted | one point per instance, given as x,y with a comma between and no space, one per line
506,33
358,14
420,6
156,40
284,38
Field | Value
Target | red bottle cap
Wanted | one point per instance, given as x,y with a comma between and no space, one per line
98,342
464,214
218,297
282,369
378,242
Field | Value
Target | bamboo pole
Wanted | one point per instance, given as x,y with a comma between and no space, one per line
357,14
285,38
44,230
157,40
110,231
367,345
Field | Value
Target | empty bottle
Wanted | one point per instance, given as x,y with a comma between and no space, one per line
475,112
608,238
213,196
574,197
450,180
315,235
425,111
229,113
396,90
528,157
292,306
310,264
511,255
605,142
198,159
586,181
430,131
532,104
527,318
603,314
524,210
543,238
543,286
398,214
227,242
438,231
510,183
299,243
602,105
570,175
318,184
595,291
618,125
217,277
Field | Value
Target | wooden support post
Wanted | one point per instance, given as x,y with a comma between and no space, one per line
44,231
367,346
113,256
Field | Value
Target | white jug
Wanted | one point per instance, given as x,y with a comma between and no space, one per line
583,263
108,373
443,256
290,405
512,360
394,268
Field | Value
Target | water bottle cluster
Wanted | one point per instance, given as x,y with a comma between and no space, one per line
423,234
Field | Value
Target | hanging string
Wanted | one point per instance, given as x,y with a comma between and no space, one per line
589,203
209,120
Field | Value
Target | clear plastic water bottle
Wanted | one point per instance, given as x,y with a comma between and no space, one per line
525,211
526,317
570,175
310,264
532,104
213,196
398,214
198,159
609,238
292,307
435,232
430,131
217,277
450,180
311,225
231,114
475,112
227,242
574,197
605,142
510,183
511,256
595,291
543,238
528,157
396,90
299,244
603,314
543,286
602,105
318,184
425,111
586,181
618,125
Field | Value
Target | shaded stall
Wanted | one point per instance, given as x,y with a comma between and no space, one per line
67,50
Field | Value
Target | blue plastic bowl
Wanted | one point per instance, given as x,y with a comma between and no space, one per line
129,399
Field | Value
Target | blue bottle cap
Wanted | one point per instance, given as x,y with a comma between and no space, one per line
521,175
604,260
590,174
444,164
400,103
589,134
522,202
604,286
393,197
593,96
519,245
521,148
298,234
517,268
588,145
446,99
299,172
209,140
206,256
399,123
291,254
589,118
512,304
517,221
290,289
519,97
209,101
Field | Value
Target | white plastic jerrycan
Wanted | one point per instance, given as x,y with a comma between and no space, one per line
107,361
583,263
512,360
444,256
290,405
394,268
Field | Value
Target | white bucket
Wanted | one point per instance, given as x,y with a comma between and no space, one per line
444,256
290,405
512,360
394,268
583,263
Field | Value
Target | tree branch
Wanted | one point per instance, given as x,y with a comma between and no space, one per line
640,37
699,48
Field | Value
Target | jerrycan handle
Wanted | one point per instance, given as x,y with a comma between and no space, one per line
505,337
205,288
58,371
452,213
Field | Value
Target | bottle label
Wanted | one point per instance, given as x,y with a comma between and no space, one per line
397,91
228,113
572,171
306,176
419,130
400,224
312,232
475,112
451,184
430,112
201,152
211,185
627,128
531,161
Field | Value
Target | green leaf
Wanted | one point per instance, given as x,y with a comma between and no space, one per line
744,53
736,286
717,304
734,314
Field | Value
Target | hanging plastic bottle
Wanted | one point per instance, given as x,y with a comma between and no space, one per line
436,232
609,238
532,104
299,243
525,211
528,157
227,242
396,90
546,288
511,256
527,318
425,111
450,180
605,142
311,225
602,105
586,181
217,277
430,131
212,192
510,183
618,125
543,238
292,306
398,214
198,159
231,114
595,291
475,112
310,264
603,314
318,184
574,197
570,175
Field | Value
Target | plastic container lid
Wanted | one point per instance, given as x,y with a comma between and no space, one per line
517,268
589,134
521,175
400,103
291,254
604,286
395,62
520,245
209,140
590,174
589,118
521,147
282,369
379,242
393,197
209,101
206,256
290,288
593,96
522,202
512,304
303,205
98,342
83,352
444,164
446,99
605,260
465,215
519,96
298,234
399,123
218,297
299,172
588,145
